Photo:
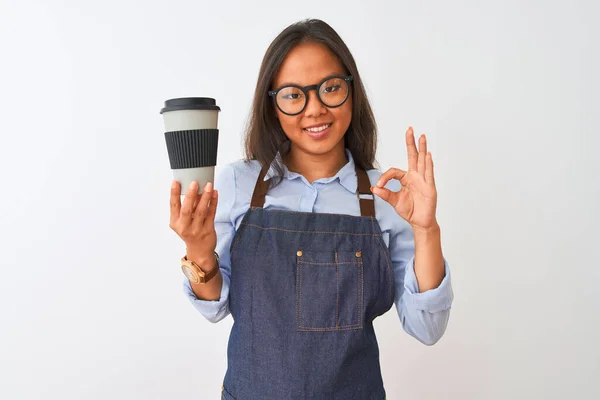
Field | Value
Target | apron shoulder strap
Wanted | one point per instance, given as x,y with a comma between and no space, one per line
260,189
367,206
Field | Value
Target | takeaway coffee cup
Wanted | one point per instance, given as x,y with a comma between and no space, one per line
191,133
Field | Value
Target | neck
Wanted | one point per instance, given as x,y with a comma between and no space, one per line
316,166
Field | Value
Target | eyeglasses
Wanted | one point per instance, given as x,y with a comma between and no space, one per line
332,91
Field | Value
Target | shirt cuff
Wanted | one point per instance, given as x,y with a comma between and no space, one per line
213,310
433,300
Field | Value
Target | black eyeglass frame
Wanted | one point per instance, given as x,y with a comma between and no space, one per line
306,89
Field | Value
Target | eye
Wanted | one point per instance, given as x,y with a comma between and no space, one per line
290,93
332,88
291,96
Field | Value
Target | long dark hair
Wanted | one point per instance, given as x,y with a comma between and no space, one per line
264,135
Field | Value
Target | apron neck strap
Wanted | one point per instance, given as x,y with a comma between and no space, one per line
367,205
260,189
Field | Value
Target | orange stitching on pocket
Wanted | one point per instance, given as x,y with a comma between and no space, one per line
298,290
333,263
361,299
358,293
337,292
331,329
311,232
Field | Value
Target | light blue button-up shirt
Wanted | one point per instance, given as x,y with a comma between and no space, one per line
423,315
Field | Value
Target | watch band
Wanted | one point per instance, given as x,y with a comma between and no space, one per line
195,273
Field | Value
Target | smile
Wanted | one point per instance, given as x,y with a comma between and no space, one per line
317,129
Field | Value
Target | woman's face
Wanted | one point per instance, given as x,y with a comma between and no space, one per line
317,130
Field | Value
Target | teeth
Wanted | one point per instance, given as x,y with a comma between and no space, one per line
318,129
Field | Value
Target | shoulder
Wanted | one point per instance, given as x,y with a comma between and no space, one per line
246,167
240,170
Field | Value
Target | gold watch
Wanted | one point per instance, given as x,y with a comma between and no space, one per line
195,274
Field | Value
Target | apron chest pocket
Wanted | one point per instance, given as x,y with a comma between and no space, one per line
329,290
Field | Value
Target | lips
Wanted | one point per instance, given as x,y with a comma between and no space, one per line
317,131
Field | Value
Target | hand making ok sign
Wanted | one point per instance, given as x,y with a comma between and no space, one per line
417,199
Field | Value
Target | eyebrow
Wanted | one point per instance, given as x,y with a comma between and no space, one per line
316,83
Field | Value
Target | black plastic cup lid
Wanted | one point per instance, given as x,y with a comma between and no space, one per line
190,103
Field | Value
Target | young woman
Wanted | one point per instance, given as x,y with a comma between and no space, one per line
309,243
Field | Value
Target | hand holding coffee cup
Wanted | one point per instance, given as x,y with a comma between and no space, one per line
194,220
191,134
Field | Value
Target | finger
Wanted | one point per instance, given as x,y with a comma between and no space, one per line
196,201
422,155
392,173
429,170
386,194
411,148
202,207
188,203
175,202
212,208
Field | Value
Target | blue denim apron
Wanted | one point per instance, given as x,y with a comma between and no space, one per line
305,289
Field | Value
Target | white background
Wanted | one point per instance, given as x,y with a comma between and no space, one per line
90,289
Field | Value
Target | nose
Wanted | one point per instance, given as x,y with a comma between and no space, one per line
314,107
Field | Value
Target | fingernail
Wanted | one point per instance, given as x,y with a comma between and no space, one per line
207,187
215,193
193,186
174,184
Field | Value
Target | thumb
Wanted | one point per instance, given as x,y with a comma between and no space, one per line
384,193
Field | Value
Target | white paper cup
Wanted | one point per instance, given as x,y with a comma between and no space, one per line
192,135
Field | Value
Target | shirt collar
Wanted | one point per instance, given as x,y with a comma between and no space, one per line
346,175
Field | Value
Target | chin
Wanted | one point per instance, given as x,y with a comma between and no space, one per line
320,147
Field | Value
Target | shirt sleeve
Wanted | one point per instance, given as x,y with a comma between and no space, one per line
423,315
216,310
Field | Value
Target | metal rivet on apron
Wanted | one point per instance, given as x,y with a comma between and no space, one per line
358,254
299,253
